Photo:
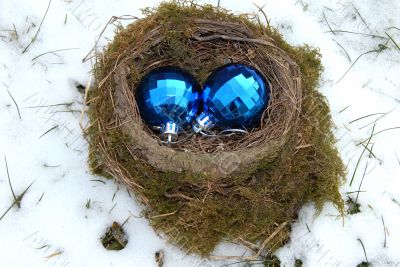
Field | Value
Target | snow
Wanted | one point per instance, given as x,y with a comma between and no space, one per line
54,228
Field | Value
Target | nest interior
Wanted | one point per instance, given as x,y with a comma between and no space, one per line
202,190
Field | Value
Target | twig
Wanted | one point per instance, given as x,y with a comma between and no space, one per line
345,51
233,38
54,51
37,32
40,199
362,179
17,201
358,33
112,208
256,255
363,54
384,232
387,129
362,19
393,27
165,214
362,153
16,105
100,181
343,109
52,105
49,130
280,228
366,116
327,23
370,151
110,21
84,106
376,120
261,9
9,182
127,219
390,37
365,253
16,33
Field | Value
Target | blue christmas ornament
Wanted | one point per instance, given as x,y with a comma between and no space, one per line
168,100
234,97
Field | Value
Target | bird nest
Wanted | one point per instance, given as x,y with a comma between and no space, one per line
203,189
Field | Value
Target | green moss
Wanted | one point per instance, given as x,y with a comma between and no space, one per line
114,238
180,205
272,261
298,263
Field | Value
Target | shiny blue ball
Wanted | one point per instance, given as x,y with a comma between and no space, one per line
168,95
235,96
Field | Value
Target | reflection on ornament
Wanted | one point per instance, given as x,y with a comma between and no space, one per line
234,96
168,100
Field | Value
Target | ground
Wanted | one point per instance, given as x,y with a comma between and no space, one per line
65,210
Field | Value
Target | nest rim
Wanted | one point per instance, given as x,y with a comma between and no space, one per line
277,121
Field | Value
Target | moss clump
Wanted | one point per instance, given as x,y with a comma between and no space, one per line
197,211
114,238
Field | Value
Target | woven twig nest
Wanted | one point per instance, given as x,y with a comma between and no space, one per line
202,189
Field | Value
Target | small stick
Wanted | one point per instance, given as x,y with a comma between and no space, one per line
280,228
112,208
362,179
9,181
16,33
255,256
53,105
164,215
100,181
384,231
365,253
49,130
387,129
366,116
362,153
362,19
54,51
40,199
248,244
261,9
363,54
344,109
345,51
40,26
394,42
110,21
84,106
358,33
17,201
15,102
127,219
327,23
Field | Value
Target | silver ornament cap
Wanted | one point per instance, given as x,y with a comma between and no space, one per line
169,132
203,123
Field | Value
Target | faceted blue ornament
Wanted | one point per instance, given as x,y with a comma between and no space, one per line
168,100
234,97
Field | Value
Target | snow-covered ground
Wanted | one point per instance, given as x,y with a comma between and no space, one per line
43,145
